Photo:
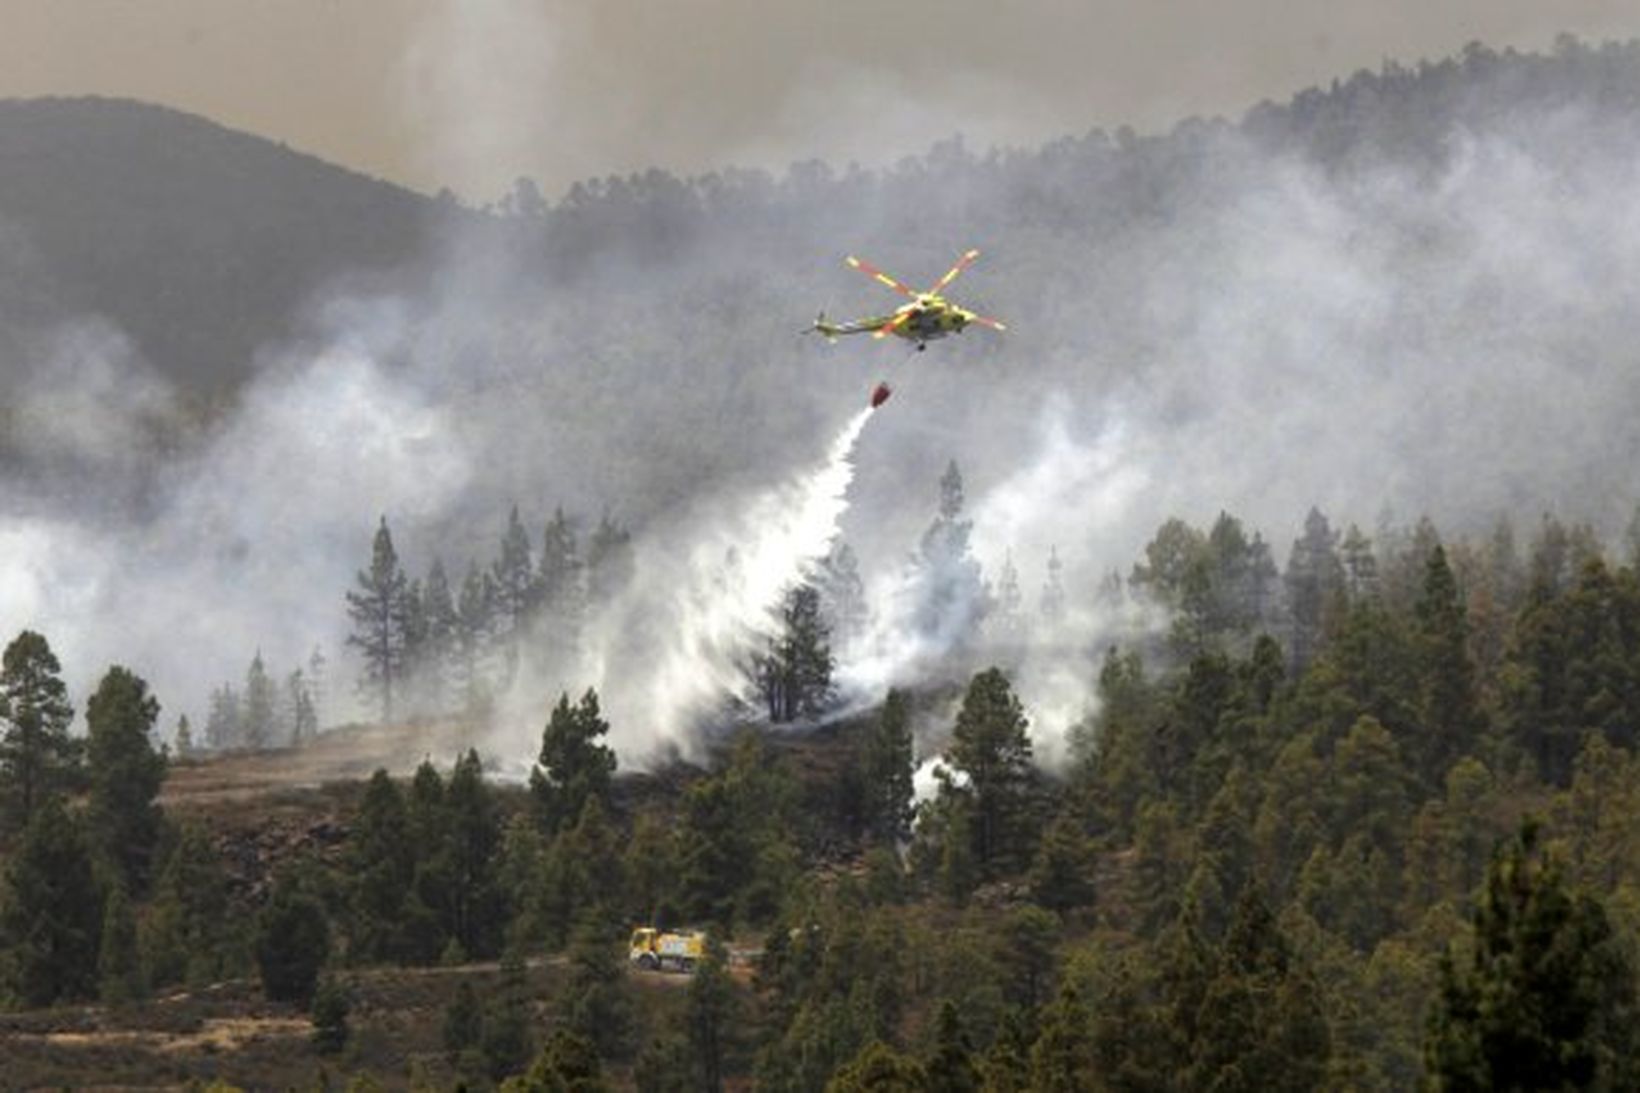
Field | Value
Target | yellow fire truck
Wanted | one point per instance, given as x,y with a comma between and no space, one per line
666,950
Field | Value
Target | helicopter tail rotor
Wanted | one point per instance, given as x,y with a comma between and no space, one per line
825,329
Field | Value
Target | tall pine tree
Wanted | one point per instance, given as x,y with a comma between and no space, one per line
989,746
126,773
377,608
38,758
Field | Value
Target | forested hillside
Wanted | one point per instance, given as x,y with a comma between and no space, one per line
1255,708
1300,839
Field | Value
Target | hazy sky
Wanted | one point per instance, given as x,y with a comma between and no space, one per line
473,93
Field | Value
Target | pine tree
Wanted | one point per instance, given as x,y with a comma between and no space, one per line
125,773
842,597
609,561
222,724
316,681
463,1022
795,673
1360,565
38,758
184,738
1451,714
560,581
886,769
990,746
329,1012
599,1008
472,838
1061,876
292,942
878,1068
1315,585
516,591
381,862
1006,621
119,971
710,1014
568,1064
439,662
574,765
377,609
51,914
416,649
1062,1059
258,708
950,1069
1053,590
185,933
951,594
302,717
474,630
1547,998
506,1041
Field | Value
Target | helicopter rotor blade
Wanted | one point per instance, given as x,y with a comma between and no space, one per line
984,321
880,277
951,275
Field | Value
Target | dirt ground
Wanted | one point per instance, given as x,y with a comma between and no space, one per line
349,753
229,1032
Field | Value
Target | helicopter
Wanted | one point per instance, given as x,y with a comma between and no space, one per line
928,316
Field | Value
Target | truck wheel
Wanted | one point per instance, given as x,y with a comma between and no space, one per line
688,966
647,962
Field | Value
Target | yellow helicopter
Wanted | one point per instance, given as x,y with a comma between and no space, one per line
928,316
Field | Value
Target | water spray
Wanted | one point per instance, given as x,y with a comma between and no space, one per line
699,612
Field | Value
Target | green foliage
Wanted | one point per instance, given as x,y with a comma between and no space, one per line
950,1068
473,907
568,1064
378,608
38,758
1062,1058
52,915
990,748
186,935
329,1013
506,1040
879,1068
886,769
1030,938
126,772
1007,1066
1546,999
734,844
119,968
712,1011
292,941
381,865
599,1009
463,1021
516,593
1574,667
1449,706
794,673
657,1070
574,767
